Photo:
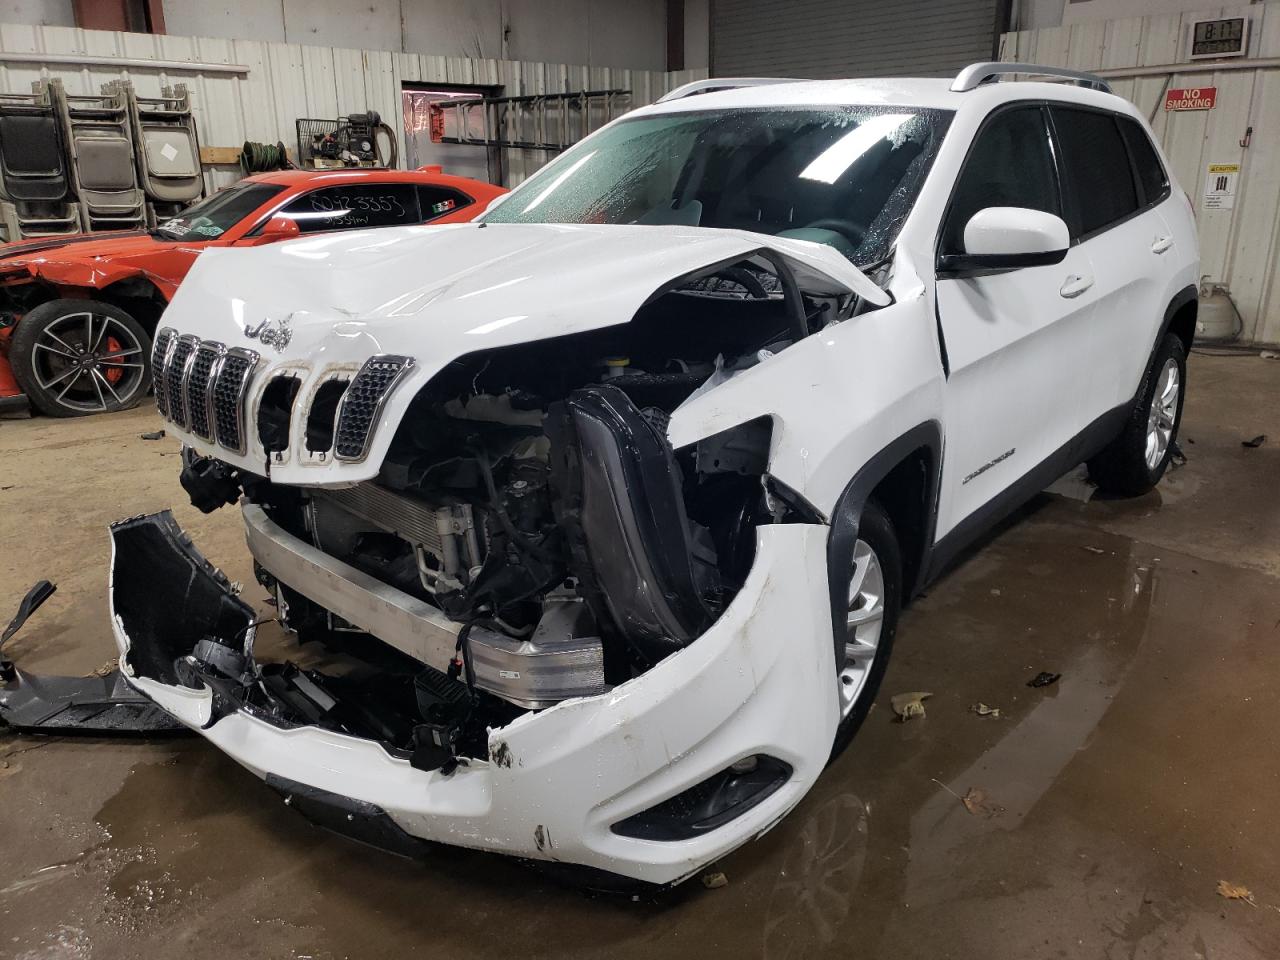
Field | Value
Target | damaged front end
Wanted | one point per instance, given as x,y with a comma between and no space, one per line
540,619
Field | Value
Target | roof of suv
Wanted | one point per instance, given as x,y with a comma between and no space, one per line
889,91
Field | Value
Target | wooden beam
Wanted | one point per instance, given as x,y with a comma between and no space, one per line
217,156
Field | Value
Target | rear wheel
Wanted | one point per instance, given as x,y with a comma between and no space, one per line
875,595
1135,461
77,357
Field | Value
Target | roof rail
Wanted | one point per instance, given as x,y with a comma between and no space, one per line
976,74
714,84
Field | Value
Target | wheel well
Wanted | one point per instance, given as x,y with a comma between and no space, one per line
905,494
138,297
1183,323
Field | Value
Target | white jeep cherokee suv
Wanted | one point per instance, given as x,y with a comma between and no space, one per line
603,508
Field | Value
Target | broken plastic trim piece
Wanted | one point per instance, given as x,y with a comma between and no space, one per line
98,705
89,705
168,598
36,596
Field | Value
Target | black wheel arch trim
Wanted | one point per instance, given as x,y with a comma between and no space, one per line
1188,294
847,514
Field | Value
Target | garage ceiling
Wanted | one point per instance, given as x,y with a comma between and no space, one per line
868,38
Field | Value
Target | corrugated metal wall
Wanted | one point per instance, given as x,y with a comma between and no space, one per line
849,38
287,81
1239,246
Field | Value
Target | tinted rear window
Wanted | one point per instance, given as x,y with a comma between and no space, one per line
1096,168
354,206
1145,159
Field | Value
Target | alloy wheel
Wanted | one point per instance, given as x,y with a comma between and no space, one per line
1163,413
863,625
89,362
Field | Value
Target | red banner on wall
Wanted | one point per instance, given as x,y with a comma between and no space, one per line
1191,98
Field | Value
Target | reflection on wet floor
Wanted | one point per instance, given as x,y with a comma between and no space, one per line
1112,801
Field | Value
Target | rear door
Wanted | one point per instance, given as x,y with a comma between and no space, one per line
1114,186
1016,341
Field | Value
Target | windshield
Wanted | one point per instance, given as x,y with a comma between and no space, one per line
845,176
215,215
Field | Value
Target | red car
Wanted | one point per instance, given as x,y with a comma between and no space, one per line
77,313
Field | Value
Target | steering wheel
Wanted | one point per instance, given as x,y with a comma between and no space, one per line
855,232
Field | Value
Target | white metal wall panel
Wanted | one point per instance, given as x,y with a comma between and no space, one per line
849,38
286,81
1239,247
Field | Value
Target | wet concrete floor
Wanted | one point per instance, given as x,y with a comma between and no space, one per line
1105,808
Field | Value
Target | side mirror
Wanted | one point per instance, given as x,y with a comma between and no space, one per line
999,239
277,228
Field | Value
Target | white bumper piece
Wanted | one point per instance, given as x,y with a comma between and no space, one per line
556,781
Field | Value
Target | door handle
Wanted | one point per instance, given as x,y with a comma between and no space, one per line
1075,285
1161,244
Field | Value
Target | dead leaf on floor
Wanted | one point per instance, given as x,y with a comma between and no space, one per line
714,881
909,705
979,804
106,668
1235,891
982,710
1256,442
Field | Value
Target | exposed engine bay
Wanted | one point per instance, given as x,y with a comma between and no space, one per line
530,519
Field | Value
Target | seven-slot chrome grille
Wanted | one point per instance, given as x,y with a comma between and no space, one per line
200,386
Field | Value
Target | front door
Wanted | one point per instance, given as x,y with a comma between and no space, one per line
1016,341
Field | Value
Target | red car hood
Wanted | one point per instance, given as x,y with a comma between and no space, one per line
80,246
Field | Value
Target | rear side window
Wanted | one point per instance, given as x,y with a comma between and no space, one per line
1095,165
1146,161
436,202
1010,165
354,206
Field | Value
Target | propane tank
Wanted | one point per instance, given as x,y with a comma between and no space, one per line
1217,317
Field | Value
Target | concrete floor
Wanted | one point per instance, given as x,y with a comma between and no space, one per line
1115,800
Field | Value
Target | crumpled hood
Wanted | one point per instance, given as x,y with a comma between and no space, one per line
436,293
485,285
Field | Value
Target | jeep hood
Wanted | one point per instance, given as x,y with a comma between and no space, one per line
466,287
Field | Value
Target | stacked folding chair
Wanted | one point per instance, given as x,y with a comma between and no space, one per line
166,147
100,146
35,191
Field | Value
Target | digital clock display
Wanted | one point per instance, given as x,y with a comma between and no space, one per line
1218,38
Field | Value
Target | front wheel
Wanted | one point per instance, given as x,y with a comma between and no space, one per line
77,357
875,596
1134,462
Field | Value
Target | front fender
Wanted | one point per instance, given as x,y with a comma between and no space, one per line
836,398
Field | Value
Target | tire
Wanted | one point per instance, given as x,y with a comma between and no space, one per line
1133,463
73,358
878,541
